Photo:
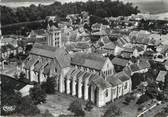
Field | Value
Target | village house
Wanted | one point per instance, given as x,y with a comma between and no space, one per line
119,63
40,34
110,47
127,52
141,66
9,46
162,53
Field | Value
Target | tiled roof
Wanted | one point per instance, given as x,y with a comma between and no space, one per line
134,67
164,49
38,32
114,81
101,83
129,50
30,61
119,61
139,48
140,37
96,25
126,55
127,70
41,64
122,76
110,46
143,63
9,40
60,54
89,60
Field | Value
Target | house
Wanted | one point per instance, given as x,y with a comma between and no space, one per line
96,27
138,51
46,61
8,41
109,47
9,46
161,76
164,50
126,52
141,66
119,63
39,34
8,50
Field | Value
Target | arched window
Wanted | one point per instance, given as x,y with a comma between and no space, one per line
106,93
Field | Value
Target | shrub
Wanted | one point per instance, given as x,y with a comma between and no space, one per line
37,94
89,106
112,111
49,85
76,108
143,99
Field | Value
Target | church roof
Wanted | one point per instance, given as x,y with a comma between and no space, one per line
122,76
60,54
101,83
119,61
114,81
89,60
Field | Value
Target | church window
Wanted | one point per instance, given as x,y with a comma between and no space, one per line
106,93
126,85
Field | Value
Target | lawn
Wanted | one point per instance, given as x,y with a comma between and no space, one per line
58,104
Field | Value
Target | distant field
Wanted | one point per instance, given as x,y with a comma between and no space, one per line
23,4
153,7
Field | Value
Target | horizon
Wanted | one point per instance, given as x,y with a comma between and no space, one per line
65,1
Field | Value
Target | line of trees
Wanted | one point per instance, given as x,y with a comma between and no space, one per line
102,9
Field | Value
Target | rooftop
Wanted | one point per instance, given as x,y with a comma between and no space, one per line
89,60
119,61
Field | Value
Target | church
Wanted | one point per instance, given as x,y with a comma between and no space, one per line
88,76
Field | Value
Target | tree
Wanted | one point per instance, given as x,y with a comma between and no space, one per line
76,108
49,85
27,107
37,94
20,105
22,75
142,99
89,106
112,111
152,90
